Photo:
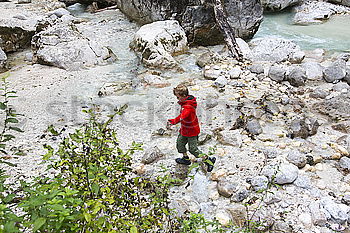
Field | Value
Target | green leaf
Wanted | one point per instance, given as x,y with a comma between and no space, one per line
8,137
52,130
16,129
87,217
2,146
39,222
95,188
12,120
133,229
2,106
9,198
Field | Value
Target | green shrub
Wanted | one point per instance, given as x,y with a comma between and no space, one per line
94,189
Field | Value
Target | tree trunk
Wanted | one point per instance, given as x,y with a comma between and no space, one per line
229,35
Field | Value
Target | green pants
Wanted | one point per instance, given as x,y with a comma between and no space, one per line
192,145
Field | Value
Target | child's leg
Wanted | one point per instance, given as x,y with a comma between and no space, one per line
181,145
193,146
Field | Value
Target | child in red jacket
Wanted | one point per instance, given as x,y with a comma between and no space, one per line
189,127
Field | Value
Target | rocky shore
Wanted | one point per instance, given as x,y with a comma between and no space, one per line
279,116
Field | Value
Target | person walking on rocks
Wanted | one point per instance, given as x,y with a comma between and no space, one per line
189,128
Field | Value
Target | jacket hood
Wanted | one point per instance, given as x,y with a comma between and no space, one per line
189,101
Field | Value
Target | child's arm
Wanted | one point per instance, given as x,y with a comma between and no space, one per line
183,115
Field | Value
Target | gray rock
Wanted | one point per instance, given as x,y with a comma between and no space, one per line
211,74
278,5
347,76
197,17
238,214
299,129
226,188
151,155
240,195
16,33
344,164
335,72
318,214
277,73
200,187
281,226
282,174
63,46
155,43
272,198
297,76
270,153
337,211
341,87
154,80
336,107
319,93
3,58
256,68
235,72
274,49
297,57
314,71
253,127
341,2
220,82
297,158
303,127
303,182
208,58
287,174
230,138
60,12
211,102
259,183
116,88
311,12
28,57
271,107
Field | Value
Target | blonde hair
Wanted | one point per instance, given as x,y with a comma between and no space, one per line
181,89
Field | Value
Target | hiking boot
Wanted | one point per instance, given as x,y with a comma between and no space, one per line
210,167
183,160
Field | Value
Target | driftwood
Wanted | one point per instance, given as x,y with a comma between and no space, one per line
107,8
229,35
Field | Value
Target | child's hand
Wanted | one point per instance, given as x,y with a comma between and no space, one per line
168,125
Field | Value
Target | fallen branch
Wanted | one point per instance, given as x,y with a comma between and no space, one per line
229,35
107,8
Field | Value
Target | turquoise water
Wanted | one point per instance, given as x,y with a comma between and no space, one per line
332,35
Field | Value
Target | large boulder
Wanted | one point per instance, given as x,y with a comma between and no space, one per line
336,107
274,49
16,33
63,46
341,2
278,5
197,17
335,72
311,12
157,42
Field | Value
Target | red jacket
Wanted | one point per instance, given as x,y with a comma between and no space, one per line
187,117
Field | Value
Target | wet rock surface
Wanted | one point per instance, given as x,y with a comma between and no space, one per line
197,18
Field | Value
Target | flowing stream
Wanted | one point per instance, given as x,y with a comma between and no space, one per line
333,35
